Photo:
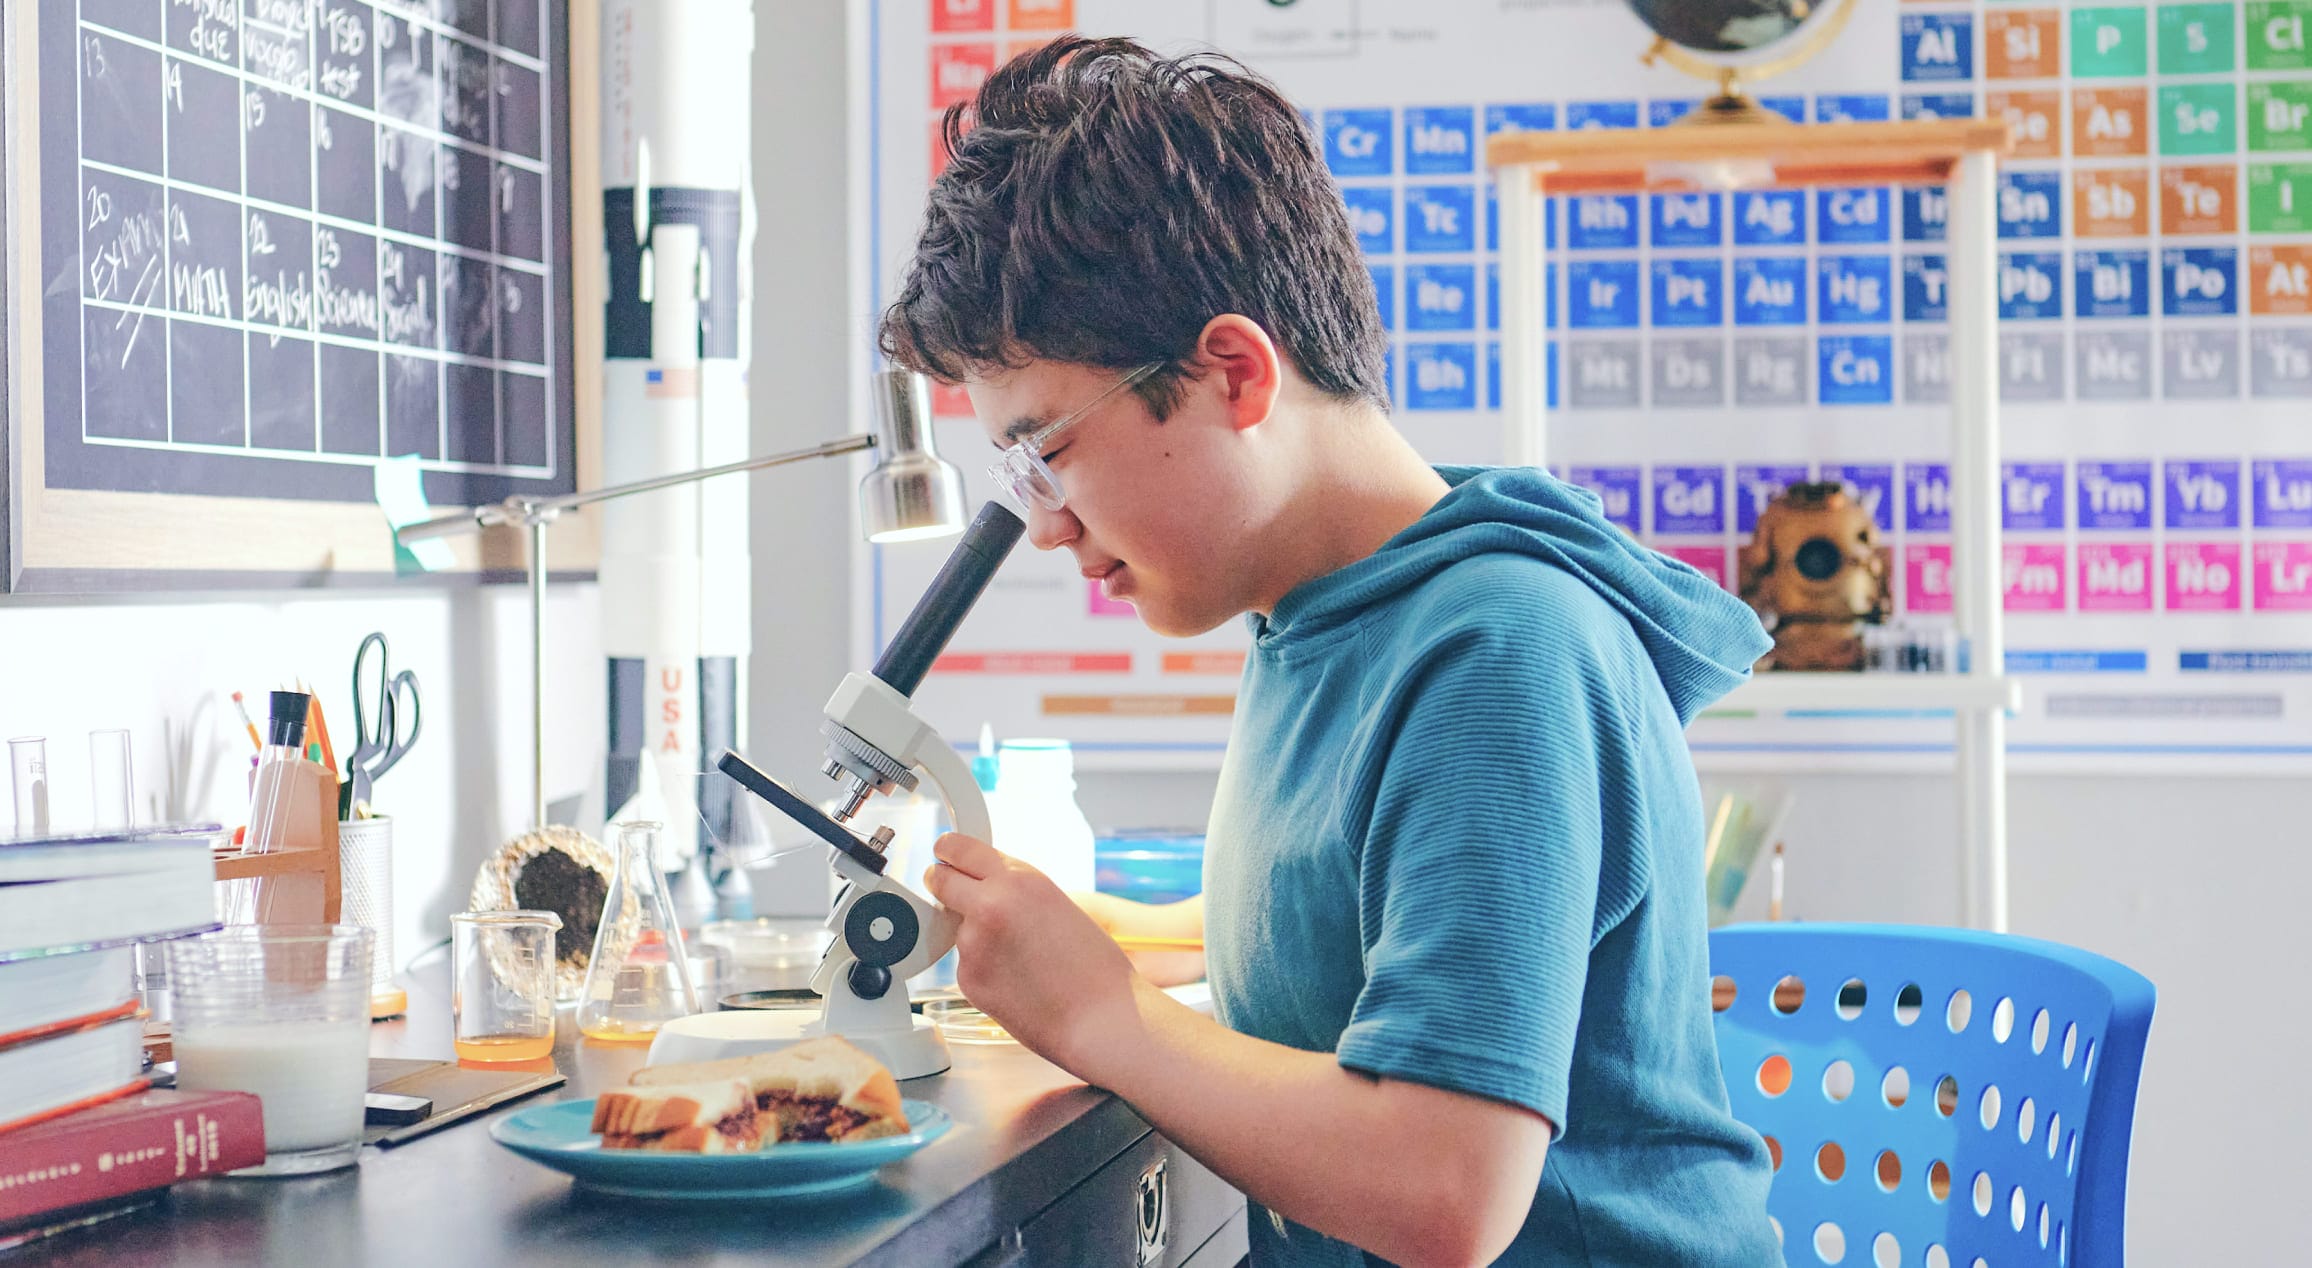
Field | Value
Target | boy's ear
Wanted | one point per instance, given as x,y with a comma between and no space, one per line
1244,362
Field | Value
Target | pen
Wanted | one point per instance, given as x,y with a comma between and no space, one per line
488,1100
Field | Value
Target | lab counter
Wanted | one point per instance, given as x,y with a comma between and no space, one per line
1038,1169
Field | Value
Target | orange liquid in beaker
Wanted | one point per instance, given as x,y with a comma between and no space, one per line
492,1049
614,1034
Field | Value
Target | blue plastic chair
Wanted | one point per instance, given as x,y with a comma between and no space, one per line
1934,1097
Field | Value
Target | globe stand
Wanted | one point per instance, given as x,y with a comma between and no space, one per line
1732,105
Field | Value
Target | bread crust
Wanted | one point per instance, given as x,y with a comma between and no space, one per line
694,1139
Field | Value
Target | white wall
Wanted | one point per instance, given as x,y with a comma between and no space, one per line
166,671
804,339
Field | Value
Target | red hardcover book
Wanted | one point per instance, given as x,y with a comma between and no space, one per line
147,1141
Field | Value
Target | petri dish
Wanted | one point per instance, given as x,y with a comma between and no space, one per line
962,1023
768,942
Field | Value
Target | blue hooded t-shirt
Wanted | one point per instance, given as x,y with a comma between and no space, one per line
1458,841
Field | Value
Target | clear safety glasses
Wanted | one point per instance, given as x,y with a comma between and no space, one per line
1021,469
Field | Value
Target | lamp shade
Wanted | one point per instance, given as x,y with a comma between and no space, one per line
911,493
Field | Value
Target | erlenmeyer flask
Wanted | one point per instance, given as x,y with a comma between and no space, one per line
639,976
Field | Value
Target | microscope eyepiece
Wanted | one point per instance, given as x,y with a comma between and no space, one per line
961,580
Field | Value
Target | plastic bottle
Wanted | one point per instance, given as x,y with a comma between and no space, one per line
1036,816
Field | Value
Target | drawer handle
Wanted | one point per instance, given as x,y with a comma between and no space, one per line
1154,1213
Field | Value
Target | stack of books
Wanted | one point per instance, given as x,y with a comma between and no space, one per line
82,1136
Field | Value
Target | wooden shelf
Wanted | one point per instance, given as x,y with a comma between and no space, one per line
1726,150
1766,155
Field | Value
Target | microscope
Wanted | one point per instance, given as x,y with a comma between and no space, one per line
885,932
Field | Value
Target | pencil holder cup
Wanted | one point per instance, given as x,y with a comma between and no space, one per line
365,855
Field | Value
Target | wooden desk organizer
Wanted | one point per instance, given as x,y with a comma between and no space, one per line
308,887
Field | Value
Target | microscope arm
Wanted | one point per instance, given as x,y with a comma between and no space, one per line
967,809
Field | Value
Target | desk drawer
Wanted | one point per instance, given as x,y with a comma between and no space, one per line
1153,1206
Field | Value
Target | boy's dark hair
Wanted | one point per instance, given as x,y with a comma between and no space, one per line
1103,203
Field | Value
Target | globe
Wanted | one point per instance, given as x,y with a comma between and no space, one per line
1723,26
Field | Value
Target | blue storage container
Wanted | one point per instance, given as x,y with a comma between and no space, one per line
1149,867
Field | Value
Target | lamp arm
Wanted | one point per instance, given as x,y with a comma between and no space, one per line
471,520
831,449
533,511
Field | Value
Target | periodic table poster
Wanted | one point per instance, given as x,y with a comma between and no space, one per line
2155,344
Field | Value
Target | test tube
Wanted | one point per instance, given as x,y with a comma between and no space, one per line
111,790
28,768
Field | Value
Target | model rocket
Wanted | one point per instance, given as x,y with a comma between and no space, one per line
678,228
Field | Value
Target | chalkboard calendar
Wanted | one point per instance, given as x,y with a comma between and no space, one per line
284,240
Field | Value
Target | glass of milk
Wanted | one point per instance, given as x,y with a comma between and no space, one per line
281,1011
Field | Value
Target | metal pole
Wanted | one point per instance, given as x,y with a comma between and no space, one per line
1524,340
538,667
1978,568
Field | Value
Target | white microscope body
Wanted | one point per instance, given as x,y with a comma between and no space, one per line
885,932
885,1024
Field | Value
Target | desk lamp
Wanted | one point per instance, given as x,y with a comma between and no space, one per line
910,494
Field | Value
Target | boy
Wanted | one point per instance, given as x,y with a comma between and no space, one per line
1453,905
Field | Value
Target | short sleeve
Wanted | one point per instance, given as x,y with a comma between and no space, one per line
1479,879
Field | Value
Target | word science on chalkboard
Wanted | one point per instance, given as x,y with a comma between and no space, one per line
284,241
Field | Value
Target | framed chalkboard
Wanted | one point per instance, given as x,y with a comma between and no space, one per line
261,247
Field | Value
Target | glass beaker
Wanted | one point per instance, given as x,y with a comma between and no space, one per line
111,789
28,776
639,975
281,1011
502,984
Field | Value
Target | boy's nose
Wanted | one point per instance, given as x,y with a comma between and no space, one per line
1050,530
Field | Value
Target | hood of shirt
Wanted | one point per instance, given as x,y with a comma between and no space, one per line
1702,639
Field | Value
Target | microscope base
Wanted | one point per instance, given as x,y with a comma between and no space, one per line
912,1054
919,1052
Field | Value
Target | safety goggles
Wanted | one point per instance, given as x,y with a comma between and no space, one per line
1021,469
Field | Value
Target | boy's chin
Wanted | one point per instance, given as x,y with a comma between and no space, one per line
1171,621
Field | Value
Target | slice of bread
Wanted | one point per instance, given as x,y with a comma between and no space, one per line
709,1117
802,1084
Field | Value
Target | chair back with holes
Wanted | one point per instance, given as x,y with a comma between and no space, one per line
1934,1096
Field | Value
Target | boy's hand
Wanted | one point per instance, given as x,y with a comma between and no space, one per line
1028,956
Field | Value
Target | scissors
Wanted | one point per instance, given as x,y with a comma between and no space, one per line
377,749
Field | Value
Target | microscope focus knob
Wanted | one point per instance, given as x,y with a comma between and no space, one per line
881,929
869,981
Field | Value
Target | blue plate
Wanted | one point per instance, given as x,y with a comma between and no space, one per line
557,1136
